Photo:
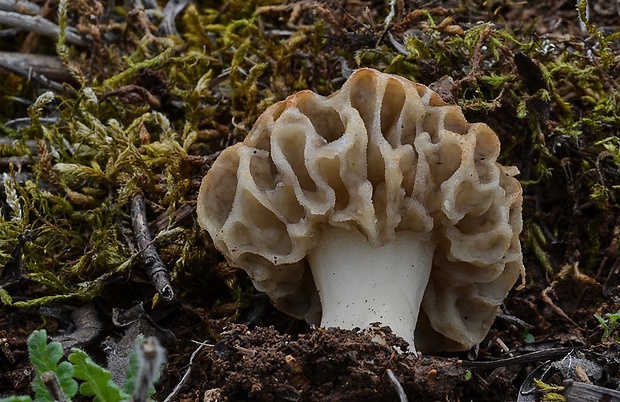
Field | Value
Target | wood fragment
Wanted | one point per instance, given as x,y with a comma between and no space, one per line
133,94
49,66
246,351
20,6
30,74
512,320
164,221
24,122
31,42
527,358
52,384
579,392
38,25
153,263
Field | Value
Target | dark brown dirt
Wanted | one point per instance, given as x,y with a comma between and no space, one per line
15,369
325,365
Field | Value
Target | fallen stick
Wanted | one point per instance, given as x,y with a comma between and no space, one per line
153,264
20,6
39,25
49,66
31,75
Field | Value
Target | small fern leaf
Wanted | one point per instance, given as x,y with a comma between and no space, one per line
45,358
97,380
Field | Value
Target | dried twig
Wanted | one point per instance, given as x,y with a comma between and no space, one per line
23,122
519,323
30,74
49,66
38,25
21,6
52,384
578,391
133,94
152,261
17,161
32,41
187,373
527,358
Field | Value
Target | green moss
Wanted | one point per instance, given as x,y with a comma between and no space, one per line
151,113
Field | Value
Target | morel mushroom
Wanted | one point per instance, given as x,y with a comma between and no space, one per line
380,203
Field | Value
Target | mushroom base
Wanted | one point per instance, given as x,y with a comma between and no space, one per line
359,284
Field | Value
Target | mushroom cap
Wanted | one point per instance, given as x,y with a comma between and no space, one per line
381,155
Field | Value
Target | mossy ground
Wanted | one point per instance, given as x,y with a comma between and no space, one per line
145,113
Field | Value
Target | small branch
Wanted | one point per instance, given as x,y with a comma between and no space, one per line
18,161
152,261
186,375
49,66
527,358
52,384
30,74
23,122
39,25
133,94
162,222
519,323
578,391
20,6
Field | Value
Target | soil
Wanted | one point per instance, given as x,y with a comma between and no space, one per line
259,354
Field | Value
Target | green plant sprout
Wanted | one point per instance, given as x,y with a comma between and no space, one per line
57,380
610,326
527,336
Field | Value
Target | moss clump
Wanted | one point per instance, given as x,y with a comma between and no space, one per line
148,113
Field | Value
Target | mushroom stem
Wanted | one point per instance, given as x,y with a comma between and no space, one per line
359,284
